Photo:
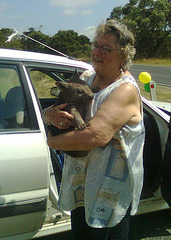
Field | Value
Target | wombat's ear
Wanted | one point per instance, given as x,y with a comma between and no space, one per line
74,77
61,85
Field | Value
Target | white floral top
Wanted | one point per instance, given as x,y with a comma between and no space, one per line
109,179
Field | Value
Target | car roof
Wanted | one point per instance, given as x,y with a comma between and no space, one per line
27,56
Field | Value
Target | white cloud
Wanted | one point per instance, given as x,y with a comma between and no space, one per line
86,12
69,12
72,3
74,7
72,12
15,17
88,31
4,17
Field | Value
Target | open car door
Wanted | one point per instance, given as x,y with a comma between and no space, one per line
26,173
166,173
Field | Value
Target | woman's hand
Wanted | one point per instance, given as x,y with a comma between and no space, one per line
58,118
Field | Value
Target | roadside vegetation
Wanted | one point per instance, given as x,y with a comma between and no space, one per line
162,93
151,62
154,62
149,20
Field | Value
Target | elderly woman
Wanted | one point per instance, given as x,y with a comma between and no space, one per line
102,189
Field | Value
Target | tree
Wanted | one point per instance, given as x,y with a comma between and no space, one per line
150,21
15,44
4,33
67,42
70,43
31,45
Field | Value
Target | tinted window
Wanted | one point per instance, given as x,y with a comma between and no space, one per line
44,80
13,114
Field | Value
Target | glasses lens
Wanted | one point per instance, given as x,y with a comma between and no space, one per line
103,48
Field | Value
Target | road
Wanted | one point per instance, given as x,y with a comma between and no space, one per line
159,74
151,226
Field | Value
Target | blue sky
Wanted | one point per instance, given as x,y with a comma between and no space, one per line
50,16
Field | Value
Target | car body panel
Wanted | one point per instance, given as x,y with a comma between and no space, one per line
165,106
29,183
26,56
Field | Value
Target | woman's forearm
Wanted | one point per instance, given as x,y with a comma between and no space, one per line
96,135
71,141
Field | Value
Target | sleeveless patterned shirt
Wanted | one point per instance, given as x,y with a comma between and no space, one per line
109,179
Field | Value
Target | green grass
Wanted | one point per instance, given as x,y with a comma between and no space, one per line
8,79
163,94
154,62
43,83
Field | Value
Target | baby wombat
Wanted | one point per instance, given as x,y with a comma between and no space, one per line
78,96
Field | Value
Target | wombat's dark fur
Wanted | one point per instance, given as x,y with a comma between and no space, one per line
78,96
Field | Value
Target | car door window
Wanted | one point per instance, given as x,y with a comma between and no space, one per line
13,114
42,83
44,80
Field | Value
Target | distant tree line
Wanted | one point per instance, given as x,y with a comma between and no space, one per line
149,20
67,42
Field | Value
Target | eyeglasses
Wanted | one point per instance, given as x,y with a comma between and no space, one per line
103,48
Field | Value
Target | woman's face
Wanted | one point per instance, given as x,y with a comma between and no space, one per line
106,57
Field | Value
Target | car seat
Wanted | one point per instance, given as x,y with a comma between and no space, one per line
14,107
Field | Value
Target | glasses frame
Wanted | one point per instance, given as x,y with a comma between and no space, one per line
103,49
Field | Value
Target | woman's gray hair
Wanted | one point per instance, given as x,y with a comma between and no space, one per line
124,36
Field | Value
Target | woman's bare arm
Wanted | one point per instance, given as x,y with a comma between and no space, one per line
120,108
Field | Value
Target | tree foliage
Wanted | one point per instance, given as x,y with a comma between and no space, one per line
31,45
70,43
67,42
4,33
15,44
150,21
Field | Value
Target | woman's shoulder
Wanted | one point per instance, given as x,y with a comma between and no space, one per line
128,77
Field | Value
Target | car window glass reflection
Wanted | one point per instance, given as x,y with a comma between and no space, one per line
12,104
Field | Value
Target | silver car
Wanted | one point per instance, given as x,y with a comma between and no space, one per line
30,172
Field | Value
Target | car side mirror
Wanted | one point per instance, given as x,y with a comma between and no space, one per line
54,91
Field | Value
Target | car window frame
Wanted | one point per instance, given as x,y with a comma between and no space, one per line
33,123
48,67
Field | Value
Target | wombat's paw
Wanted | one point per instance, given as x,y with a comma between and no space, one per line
83,126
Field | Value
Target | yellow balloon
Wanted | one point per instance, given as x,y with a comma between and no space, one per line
145,77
